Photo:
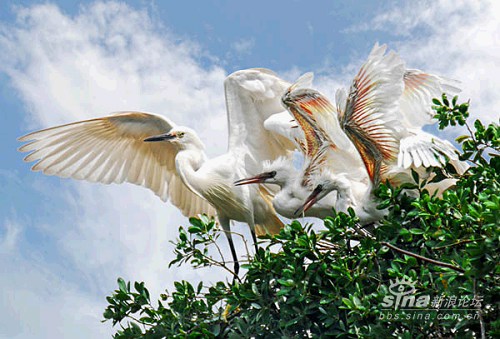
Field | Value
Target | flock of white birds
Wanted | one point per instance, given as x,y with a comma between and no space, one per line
372,133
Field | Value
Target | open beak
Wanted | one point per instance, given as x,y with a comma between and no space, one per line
310,201
161,137
258,179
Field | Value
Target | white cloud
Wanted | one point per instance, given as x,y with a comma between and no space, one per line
243,46
108,58
37,302
9,237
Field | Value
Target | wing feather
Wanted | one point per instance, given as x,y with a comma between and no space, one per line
424,149
252,96
368,114
419,90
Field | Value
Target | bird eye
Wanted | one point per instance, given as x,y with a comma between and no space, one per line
272,174
180,134
319,187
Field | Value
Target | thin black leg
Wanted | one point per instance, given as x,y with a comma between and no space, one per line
233,253
254,237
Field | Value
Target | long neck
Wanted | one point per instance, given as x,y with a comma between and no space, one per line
187,163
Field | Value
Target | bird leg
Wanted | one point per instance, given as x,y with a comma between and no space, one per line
226,227
254,237
233,253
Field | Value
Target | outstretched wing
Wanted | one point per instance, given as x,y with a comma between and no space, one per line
419,148
252,96
368,114
111,150
419,90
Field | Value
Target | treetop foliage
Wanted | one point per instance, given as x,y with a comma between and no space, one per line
341,281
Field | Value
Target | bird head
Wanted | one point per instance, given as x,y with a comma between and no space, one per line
323,185
317,194
277,172
180,136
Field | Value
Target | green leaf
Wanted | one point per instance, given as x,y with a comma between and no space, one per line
196,222
462,138
122,285
256,306
108,314
286,282
415,176
348,303
194,229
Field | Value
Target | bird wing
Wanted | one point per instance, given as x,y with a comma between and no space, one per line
307,106
314,113
419,90
424,149
252,96
111,150
368,114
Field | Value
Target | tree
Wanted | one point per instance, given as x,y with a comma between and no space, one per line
429,270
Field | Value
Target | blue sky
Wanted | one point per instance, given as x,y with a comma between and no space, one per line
63,243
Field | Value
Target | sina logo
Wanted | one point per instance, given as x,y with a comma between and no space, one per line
403,295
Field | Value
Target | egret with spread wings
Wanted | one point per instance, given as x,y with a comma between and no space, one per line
150,150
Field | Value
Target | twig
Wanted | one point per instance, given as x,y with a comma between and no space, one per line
455,243
378,269
216,263
326,245
240,261
432,261
220,252
325,249
470,132
360,230
244,242
139,321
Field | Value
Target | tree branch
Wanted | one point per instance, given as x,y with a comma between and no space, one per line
455,244
216,263
417,256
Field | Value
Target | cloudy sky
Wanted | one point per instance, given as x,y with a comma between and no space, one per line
64,243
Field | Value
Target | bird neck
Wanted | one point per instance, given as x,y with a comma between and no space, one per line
187,163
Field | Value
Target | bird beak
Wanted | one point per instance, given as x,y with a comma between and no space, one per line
259,178
161,137
310,201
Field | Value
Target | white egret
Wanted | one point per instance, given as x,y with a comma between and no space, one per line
151,151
